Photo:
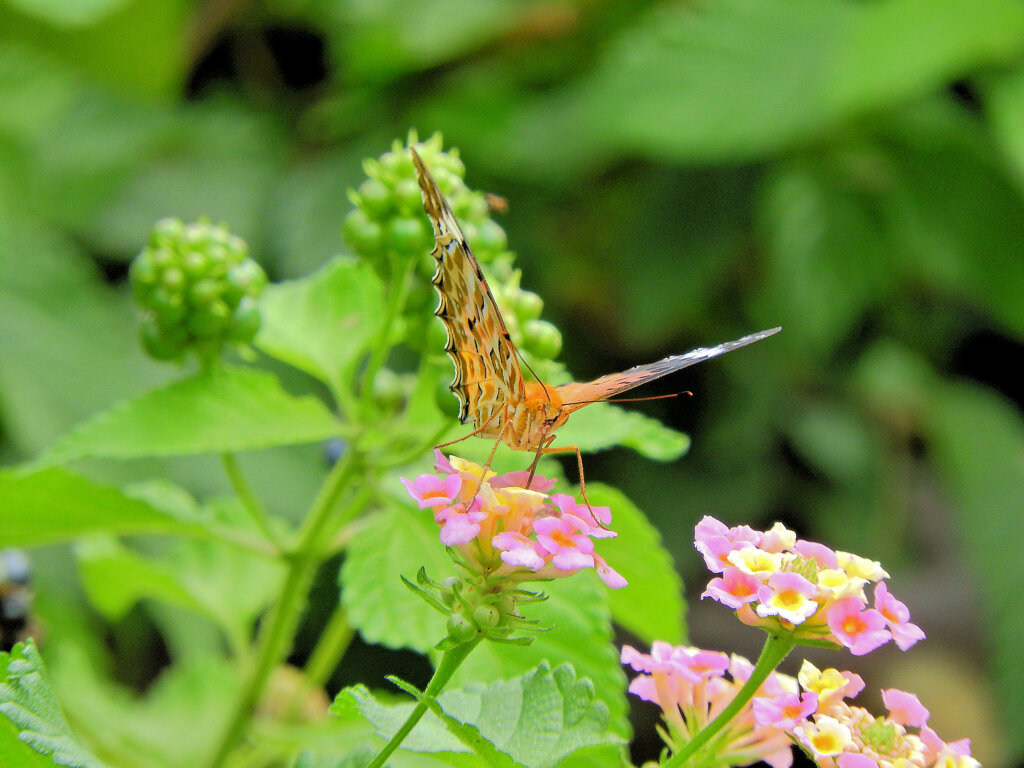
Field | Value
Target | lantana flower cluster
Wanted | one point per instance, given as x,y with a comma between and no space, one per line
836,734
508,527
692,686
784,584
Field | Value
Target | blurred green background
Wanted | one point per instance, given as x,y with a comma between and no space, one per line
677,174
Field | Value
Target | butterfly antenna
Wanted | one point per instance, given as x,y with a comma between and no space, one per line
535,376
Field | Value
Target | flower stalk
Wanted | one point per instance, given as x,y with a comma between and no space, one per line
775,649
450,661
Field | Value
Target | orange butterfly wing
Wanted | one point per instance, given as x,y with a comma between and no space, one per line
487,373
576,395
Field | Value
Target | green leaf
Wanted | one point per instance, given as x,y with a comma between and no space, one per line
829,251
1004,106
397,541
535,720
116,578
978,441
28,701
578,621
225,409
217,158
37,89
175,724
68,12
430,735
56,505
324,323
381,40
711,74
128,46
652,606
227,585
602,425
56,314
17,754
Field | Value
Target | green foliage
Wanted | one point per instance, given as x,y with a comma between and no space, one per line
676,174
30,704
652,608
324,324
56,505
532,721
211,412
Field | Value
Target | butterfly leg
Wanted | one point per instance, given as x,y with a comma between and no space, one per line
544,450
494,448
476,431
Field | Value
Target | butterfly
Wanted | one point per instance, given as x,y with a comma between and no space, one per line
489,383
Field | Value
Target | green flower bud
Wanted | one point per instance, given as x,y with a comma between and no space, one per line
407,234
528,305
376,199
363,236
490,236
408,197
245,322
210,321
192,282
160,344
196,264
474,207
204,292
542,338
173,279
460,628
486,616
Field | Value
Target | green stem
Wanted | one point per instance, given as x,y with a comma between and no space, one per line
380,350
329,649
450,661
245,493
776,648
278,628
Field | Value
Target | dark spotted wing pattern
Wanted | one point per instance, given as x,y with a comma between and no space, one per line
487,373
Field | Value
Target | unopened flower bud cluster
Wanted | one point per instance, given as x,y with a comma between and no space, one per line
196,286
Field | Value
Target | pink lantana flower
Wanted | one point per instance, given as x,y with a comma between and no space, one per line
733,588
432,491
565,539
517,549
692,686
460,523
802,588
500,529
786,710
823,737
840,735
858,628
714,540
904,708
789,596
830,686
897,618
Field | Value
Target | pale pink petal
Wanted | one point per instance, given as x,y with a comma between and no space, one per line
733,588
611,578
822,555
904,708
858,628
855,760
